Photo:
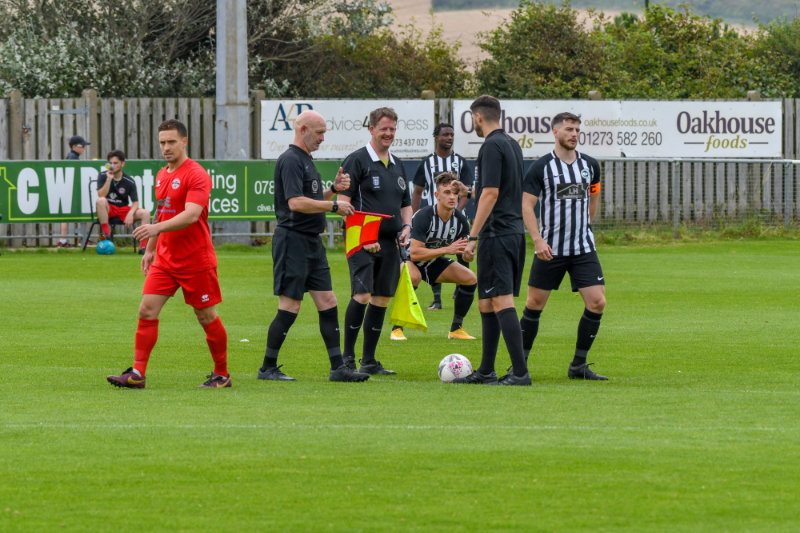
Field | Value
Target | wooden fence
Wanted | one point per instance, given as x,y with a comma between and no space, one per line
634,191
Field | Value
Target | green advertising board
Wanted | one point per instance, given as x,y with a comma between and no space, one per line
63,191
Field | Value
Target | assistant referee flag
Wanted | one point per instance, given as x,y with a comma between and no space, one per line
361,228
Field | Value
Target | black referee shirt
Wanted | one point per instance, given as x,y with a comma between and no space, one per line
432,166
119,192
378,189
499,165
428,227
296,175
563,193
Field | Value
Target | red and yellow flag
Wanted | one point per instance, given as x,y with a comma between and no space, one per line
361,228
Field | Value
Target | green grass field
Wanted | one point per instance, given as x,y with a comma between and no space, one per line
697,429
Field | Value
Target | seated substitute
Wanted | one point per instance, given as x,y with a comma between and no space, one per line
436,231
115,191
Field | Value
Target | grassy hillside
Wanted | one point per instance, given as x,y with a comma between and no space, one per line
738,11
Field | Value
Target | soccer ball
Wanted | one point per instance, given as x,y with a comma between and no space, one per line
106,247
454,366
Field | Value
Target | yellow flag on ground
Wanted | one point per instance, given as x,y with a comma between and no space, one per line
406,310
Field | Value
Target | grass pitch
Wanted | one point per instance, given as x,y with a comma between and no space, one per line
697,430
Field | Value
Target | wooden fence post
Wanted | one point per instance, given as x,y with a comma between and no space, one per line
92,123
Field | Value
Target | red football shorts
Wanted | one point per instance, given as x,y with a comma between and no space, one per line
119,212
200,289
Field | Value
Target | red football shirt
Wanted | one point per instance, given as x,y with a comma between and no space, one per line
189,249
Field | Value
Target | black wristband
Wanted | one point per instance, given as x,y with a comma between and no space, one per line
333,188
472,239
404,226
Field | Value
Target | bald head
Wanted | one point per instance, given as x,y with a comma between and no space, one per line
309,130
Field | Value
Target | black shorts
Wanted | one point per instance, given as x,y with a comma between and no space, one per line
501,260
299,264
433,269
378,273
584,271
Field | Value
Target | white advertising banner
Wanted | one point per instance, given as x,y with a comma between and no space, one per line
348,126
643,128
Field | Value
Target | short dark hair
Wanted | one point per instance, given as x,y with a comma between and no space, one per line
376,115
562,117
487,106
438,129
119,154
174,124
445,178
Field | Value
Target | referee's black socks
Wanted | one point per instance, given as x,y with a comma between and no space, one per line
353,318
275,337
373,325
588,327
512,334
490,338
329,329
530,327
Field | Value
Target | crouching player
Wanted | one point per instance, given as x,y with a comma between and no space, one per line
437,231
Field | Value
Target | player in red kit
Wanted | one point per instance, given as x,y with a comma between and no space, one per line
179,254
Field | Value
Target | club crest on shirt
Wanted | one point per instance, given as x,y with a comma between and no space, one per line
401,182
585,173
314,186
452,231
176,183
376,182
121,190
454,166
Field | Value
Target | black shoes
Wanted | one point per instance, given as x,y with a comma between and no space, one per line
345,374
511,379
374,367
274,374
350,362
584,372
476,378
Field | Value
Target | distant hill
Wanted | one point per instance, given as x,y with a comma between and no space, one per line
733,11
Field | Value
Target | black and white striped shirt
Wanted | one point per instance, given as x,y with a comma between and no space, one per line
428,227
563,192
432,166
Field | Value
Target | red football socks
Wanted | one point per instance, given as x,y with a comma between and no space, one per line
106,228
146,337
217,339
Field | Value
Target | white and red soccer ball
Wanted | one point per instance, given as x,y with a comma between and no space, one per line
454,366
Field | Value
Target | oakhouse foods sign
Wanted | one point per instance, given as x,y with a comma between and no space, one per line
658,129
347,124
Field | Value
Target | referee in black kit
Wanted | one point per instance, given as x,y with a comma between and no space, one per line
566,183
378,184
499,230
299,261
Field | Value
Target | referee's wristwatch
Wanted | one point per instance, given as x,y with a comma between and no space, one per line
335,207
472,239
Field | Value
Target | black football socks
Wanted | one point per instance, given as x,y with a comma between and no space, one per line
588,327
490,327
465,294
530,328
353,318
329,329
373,325
512,334
275,337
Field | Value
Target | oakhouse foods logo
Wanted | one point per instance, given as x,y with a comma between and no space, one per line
637,128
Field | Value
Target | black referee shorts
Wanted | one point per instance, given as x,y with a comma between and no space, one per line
431,270
299,264
584,271
500,260
378,273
